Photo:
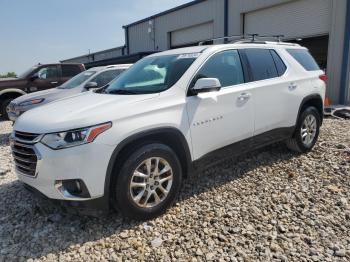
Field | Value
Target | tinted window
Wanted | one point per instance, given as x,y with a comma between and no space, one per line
281,67
70,70
49,72
107,76
304,58
261,64
78,79
225,66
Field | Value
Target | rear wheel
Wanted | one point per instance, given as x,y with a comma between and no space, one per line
306,132
3,108
148,182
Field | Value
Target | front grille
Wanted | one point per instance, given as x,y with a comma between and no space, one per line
26,137
24,153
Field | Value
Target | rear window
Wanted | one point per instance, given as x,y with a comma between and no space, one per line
261,64
70,70
304,58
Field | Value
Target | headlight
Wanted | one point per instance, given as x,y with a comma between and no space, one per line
74,137
32,102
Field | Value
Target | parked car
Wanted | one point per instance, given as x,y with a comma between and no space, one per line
131,144
36,78
93,78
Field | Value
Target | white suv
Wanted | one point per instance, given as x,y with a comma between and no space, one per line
130,144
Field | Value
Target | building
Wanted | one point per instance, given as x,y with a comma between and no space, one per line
321,25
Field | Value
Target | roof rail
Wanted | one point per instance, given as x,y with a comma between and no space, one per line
249,38
221,38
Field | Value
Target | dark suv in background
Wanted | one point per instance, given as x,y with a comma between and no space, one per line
37,78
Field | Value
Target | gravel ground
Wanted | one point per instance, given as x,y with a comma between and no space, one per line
270,205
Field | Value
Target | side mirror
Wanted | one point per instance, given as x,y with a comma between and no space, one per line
91,85
33,77
204,85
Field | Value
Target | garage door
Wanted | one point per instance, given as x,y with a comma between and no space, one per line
295,19
192,35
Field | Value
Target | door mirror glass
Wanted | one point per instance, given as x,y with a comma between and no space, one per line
91,85
34,76
204,85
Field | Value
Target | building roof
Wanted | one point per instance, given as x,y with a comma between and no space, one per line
165,12
95,53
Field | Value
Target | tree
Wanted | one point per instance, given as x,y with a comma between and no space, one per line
9,74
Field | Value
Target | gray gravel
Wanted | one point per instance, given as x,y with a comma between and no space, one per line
267,205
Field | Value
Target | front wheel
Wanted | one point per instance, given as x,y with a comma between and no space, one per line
148,182
306,132
3,108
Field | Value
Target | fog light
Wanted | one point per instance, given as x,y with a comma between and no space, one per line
72,189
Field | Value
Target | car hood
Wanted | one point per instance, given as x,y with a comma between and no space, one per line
48,95
12,82
84,109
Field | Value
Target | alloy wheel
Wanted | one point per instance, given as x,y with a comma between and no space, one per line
151,182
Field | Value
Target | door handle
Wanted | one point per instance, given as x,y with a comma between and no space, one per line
55,82
292,86
243,96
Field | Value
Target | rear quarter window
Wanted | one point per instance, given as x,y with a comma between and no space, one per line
304,58
70,70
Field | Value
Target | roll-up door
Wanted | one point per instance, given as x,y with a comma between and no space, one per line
295,19
192,35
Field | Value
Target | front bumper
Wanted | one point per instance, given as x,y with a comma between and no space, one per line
87,163
13,112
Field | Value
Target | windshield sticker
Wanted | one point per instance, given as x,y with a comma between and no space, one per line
191,55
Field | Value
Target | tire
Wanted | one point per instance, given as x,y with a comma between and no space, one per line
304,143
3,111
124,194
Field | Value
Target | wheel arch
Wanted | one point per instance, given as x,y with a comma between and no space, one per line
11,93
169,136
314,100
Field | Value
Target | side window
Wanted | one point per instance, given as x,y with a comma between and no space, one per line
49,72
281,67
304,58
261,64
225,66
70,70
105,77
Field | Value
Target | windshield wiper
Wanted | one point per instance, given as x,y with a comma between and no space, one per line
101,89
122,92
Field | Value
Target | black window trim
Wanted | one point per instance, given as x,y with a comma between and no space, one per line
245,76
248,67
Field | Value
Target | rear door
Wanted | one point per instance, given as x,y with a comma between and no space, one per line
68,71
273,93
225,117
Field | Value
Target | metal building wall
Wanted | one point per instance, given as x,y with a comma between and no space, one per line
211,10
141,40
335,49
97,56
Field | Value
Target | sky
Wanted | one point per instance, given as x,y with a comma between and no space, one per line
46,31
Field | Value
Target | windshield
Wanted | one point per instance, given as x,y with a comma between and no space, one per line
152,75
77,80
27,72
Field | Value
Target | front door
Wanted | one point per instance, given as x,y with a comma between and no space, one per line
46,77
222,118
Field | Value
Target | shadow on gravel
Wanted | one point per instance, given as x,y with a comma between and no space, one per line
31,227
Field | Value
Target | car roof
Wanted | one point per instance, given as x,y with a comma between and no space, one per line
120,66
239,44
